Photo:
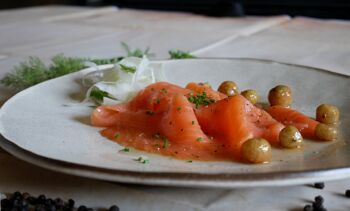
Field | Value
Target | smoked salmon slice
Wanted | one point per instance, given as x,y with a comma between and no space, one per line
233,120
288,116
163,116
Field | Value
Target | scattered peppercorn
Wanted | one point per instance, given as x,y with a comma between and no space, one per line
82,208
41,199
347,193
317,205
25,202
319,199
113,208
59,203
319,185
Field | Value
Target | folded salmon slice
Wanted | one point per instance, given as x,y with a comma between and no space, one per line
288,116
233,120
159,119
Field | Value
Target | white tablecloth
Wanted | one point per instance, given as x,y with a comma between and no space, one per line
76,31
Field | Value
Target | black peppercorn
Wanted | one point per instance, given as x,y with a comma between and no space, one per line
319,199
113,208
319,185
6,203
41,199
71,203
347,193
32,200
82,208
59,203
17,195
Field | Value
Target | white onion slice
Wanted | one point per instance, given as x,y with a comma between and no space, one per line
121,86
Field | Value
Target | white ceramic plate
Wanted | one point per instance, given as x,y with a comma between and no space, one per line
38,128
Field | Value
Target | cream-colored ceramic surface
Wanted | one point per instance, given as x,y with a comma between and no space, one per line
37,121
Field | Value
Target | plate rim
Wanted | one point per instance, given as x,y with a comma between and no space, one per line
187,179
197,180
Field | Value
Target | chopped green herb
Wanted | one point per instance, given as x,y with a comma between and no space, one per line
165,91
178,108
125,150
127,69
189,161
165,143
178,54
201,99
200,139
192,122
137,52
157,145
148,112
158,101
116,136
98,95
142,160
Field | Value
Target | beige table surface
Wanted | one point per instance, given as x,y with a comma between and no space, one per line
97,32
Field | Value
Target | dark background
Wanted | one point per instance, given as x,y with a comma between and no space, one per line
313,8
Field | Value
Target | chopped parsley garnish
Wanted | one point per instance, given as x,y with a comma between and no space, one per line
192,122
178,54
178,108
97,95
125,150
200,139
148,112
142,160
127,69
158,101
201,99
189,161
165,91
116,136
166,143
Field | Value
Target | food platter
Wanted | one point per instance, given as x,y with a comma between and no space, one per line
38,128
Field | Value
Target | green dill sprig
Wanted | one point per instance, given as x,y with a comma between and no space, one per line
200,99
137,52
35,71
178,54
